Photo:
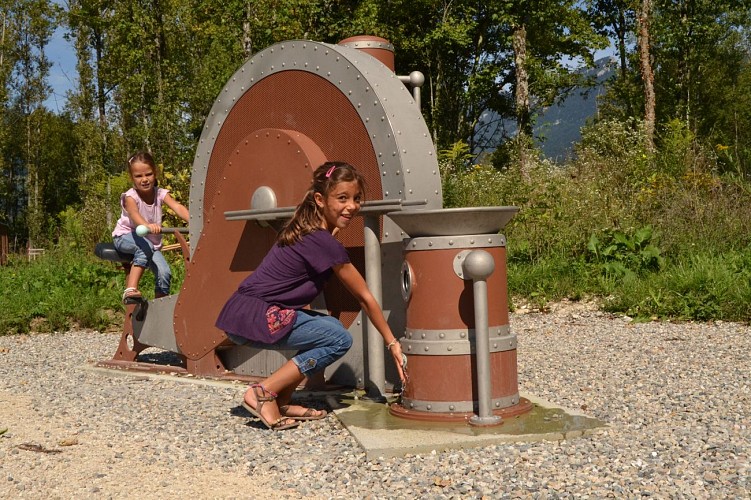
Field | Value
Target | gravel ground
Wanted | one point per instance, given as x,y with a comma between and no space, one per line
676,397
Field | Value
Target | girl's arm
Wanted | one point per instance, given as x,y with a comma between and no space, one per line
177,207
355,284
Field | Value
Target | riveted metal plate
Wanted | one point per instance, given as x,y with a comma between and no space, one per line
394,125
458,406
455,342
455,242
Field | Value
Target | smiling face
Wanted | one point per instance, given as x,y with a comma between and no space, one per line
144,178
340,205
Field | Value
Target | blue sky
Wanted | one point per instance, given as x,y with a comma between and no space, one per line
63,75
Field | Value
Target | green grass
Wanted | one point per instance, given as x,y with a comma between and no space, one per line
62,289
702,287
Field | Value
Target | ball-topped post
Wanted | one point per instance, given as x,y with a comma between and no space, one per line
477,266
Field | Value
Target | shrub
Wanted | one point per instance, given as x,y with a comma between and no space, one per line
590,226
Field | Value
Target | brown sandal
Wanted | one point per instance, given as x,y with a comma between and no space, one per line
308,414
262,399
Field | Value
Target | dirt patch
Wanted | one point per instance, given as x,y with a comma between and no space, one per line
44,457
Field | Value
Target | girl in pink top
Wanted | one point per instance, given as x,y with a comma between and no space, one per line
142,205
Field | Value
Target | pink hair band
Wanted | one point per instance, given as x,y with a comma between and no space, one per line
330,171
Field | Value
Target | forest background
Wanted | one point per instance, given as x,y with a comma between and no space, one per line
650,216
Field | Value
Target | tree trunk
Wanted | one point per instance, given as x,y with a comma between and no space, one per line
622,51
647,74
523,118
247,40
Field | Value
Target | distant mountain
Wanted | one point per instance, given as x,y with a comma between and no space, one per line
558,127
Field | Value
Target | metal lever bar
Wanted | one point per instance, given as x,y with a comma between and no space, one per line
368,208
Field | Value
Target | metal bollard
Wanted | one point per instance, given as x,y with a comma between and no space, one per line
375,386
478,265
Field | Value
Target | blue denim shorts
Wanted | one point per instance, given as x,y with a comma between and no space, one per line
319,339
145,256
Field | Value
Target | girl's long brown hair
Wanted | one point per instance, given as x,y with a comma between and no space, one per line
308,217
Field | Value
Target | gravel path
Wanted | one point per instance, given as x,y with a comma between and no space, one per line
677,398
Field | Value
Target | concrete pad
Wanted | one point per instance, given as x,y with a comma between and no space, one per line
383,435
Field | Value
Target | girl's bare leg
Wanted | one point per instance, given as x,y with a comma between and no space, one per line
283,382
134,276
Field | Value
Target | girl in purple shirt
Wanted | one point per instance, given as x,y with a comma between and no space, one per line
268,307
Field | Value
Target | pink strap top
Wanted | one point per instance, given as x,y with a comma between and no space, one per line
152,213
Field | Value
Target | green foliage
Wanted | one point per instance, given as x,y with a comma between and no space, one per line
590,228
698,287
625,253
67,288
57,290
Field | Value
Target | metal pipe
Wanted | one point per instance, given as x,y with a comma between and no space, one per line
375,386
417,80
478,265
377,207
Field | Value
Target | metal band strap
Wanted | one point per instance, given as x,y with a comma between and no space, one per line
457,406
455,342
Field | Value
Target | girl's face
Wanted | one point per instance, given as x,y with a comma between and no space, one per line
340,205
143,177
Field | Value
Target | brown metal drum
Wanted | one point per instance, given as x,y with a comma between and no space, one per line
440,331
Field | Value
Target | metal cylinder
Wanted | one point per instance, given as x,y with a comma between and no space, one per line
375,46
441,331
375,385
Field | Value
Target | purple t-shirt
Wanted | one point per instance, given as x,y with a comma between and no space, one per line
289,278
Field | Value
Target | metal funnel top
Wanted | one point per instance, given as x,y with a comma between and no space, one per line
454,221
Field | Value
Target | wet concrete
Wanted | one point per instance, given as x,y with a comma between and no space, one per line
383,435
